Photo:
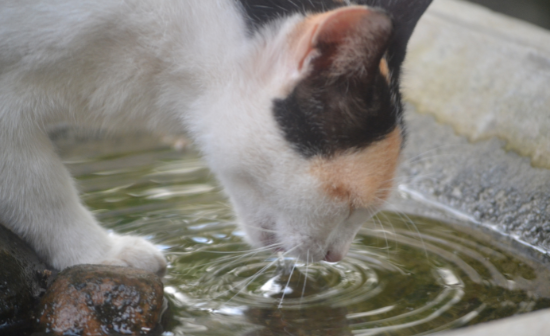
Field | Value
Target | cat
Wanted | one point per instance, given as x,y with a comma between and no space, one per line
295,106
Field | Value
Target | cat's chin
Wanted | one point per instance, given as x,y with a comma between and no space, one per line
309,250
303,247
322,244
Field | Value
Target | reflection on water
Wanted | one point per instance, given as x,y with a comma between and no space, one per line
403,276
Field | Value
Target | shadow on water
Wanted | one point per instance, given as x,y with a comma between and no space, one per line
404,275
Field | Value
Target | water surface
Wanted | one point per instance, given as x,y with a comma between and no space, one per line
404,275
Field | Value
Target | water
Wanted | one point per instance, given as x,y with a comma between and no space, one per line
403,276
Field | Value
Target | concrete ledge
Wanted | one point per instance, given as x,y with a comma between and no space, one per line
485,74
480,183
534,324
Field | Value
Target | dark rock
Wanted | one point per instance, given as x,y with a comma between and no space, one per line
101,300
23,279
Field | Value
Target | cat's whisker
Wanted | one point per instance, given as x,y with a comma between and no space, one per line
232,259
400,179
252,253
286,287
254,277
385,236
230,254
213,263
258,228
289,250
409,222
414,178
423,155
258,249
421,160
260,272
305,277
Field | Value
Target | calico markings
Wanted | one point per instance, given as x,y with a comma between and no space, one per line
344,101
337,108
361,178
345,114
384,70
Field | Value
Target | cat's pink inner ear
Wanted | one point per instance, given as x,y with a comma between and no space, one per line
356,33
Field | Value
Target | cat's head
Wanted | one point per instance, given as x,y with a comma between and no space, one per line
312,131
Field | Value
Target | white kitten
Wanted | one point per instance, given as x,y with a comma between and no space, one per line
299,115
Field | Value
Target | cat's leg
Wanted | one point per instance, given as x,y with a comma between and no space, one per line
39,202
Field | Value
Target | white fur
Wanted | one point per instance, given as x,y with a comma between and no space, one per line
165,66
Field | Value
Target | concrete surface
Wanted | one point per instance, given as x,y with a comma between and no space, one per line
479,146
481,183
534,324
485,74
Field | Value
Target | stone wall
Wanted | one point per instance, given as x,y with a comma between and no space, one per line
485,74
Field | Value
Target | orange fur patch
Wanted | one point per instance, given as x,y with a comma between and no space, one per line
384,70
361,178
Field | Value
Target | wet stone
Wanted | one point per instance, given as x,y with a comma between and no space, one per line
23,279
101,300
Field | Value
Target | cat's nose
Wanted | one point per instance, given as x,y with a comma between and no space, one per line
332,256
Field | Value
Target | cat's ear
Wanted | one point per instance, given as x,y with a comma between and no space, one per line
348,40
405,15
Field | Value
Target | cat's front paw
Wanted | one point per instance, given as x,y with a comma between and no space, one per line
135,252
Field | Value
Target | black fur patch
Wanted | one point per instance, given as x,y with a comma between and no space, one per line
323,116
261,12
405,15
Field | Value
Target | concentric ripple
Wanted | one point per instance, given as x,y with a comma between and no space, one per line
403,276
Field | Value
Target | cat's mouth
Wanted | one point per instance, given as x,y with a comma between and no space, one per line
269,240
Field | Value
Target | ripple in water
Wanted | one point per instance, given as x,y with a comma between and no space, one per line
403,276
